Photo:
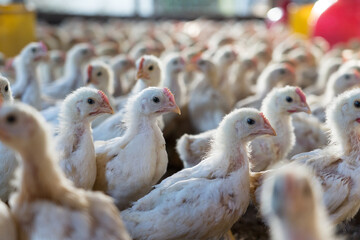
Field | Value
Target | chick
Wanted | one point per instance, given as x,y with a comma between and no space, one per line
202,202
72,78
46,205
291,202
74,141
120,160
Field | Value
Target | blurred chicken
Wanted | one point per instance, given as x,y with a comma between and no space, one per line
27,85
274,75
202,202
291,202
120,65
46,205
207,106
8,158
72,78
8,229
125,171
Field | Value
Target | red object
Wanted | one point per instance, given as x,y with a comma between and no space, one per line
340,22
301,95
104,97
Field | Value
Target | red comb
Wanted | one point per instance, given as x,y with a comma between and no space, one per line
169,94
141,63
89,70
195,58
301,95
265,119
43,46
104,97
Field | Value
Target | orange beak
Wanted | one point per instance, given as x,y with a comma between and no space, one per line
141,75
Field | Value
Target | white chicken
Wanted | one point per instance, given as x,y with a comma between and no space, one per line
72,78
74,141
125,171
149,74
337,166
8,159
202,202
274,75
27,85
207,106
46,204
266,151
291,202
120,65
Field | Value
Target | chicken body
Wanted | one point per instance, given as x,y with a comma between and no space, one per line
46,205
120,160
202,202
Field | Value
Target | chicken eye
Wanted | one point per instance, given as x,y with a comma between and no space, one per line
347,76
201,62
151,68
289,99
33,50
250,121
227,55
11,119
156,99
282,71
90,101
357,104
6,88
175,62
84,51
99,74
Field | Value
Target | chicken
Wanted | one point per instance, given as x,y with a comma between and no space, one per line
46,204
174,65
240,84
7,223
266,151
125,171
338,83
72,78
274,75
120,65
291,202
74,141
337,166
27,85
207,106
8,159
149,74
202,202
49,71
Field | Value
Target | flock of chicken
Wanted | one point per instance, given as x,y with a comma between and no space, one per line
83,153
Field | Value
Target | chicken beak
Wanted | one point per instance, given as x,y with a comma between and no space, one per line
141,75
1,100
304,107
176,109
106,109
267,128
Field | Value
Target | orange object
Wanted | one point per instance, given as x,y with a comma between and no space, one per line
17,28
299,18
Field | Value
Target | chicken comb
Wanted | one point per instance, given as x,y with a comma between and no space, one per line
43,46
89,70
104,97
142,60
196,57
169,94
265,119
301,94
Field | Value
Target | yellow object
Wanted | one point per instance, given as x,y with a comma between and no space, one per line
299,18
17,28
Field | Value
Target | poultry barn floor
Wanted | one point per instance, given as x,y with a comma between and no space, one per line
251,226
